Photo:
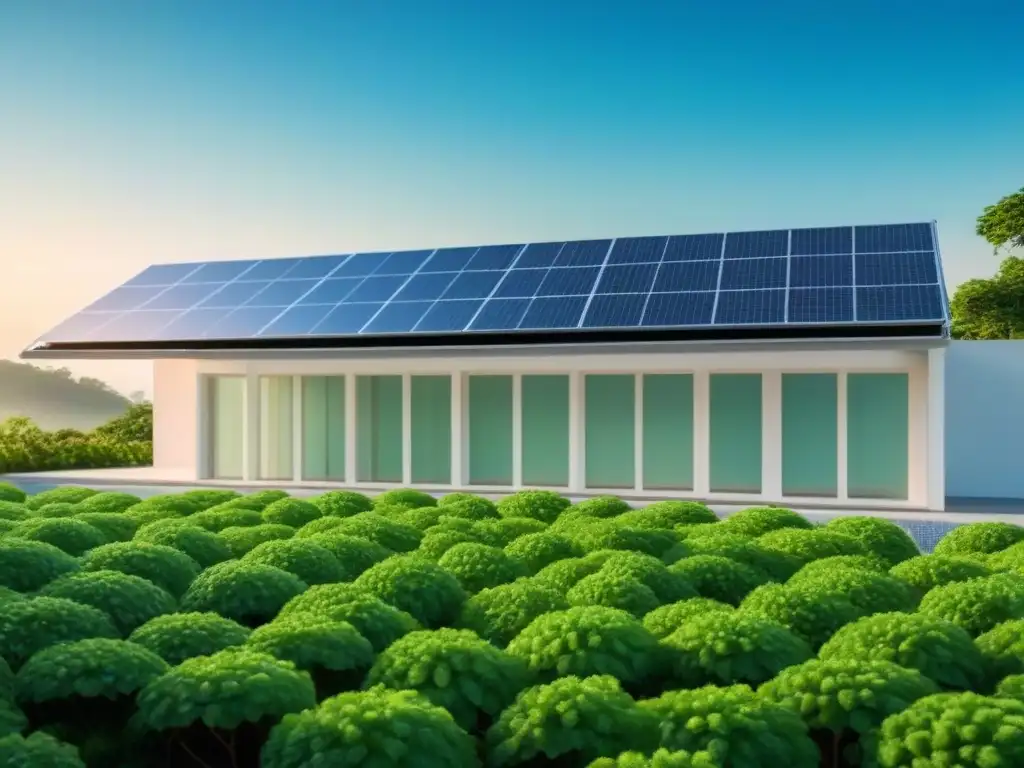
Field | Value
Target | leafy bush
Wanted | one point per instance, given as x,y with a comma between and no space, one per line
260,500
14,511
1005,559
68,535
613,590
421,518
868,591
478,566
667,585
436,542
757,521
242,539
56,509
129,601
925,572
1003,648
454,669
165,567
807,610
26,566
426,591
775,565
718,577
536,550
602,534
881,537
378,727
342,503
175,637
977,605
199,544
500,613
936,648
29,626
1011,687
226,515
474,508
163,507
378,622
811,544
979,538
249,593
391,534
407,497
108,501
113,525
11,492
734,726
591,640
666,619
37,750
69,494
572,717
599,507
545,506
292,512
305,558
662,758
666,515
503,532
354,554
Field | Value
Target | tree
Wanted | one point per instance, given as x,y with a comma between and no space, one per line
993,308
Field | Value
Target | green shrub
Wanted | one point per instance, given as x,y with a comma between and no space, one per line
165,567
934,647
406,497
12,719
342,503
29,626
11,492
925,572
500,613
437,541
536,550
354,554
70,494
602,507
563,575
977,605
757,521
806,545
613,590
37,750
734,726
451,498
332,652
668,586
569,721
227,515
881,537
421,518
666,515
426,591
56,509
129,601
979,539
718,577
26,565
396,536
1004,560
378,622
454,669
469,509
810,612
828,564
68,535
243,539
318,527
292,512
662,758
201,545
150,512
249,593
734,647
113,525
666,619
378,727
1003,648
13,511
260,500
305,558
501,533
109,502
204,498
478,566
775,565
545,506
953,729
602,534
591,640
868,591
1011,687
175,637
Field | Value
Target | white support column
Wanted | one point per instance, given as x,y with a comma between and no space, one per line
771,434
701,433
638,432
517,430
406,429
298,428
251,431
203,467
936,470
842,464
917,458
459,441
577,433
350,429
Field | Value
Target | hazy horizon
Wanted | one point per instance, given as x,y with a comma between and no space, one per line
192,131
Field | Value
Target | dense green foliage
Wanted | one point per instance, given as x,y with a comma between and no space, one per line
202,628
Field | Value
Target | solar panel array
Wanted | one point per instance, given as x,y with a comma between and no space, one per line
803,277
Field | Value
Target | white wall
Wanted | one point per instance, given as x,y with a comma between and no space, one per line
175,409
985,419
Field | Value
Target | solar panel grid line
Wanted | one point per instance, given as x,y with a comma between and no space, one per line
298,301
941,272
435,302
533,297
718,288
361,278
398,289
494,290
789,271
657,270
853,246
597,282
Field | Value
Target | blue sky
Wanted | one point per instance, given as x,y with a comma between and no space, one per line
135,132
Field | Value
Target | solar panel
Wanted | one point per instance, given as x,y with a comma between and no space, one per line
826,276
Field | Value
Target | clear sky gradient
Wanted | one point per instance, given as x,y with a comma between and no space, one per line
140,132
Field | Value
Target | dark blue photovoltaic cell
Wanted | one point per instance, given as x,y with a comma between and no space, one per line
315,267
242,323
678,309
182,296
500,315
751,307
449,260
162,274
627,278
124,298
694,248
756,245
896,268
219,271
333,290
232,295
131,326
618,311
426,286
473,285
520,283
820,271
376,288
899,303
448,316
346,319
583,253
553,312
398,317
539,255
282,293
820,305
494,257
753,274
637,250
360,265
687,276
569,281
193,324
82,325
891,238
297,321
403,262
272,269
804,242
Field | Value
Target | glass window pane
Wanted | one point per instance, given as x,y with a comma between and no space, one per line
545,430
490,430
323,430
226,401
610,431
668,431
379,429
276,451
431,401
809,434
878,435
735,432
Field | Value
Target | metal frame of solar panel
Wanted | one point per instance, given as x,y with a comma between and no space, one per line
833,277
